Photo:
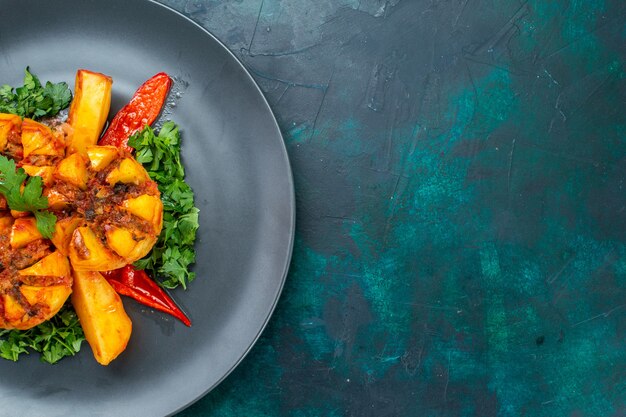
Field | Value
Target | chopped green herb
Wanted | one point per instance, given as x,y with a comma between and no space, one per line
55,339
29,198
34,100
174,251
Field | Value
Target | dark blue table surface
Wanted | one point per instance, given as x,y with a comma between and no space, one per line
460,174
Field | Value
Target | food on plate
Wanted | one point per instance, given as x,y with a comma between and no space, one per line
89,109
36,280
77,210
137,284
114,205
141,111
105,323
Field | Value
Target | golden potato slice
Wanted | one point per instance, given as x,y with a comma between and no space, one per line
128,245
37,139
14,314
52,298
89,109
148,207
73,170
63,230
101,313
45,172
88,253
121,241
101,156
24,231
129,172
55,265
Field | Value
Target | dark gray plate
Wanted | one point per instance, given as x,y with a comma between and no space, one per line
237,164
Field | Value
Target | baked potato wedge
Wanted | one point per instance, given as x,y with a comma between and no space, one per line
101,313
89,109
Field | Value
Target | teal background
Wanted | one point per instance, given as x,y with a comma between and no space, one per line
460,174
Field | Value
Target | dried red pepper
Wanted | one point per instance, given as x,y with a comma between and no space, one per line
137,284
142,110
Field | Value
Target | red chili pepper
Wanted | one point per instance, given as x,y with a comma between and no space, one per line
137,284
142,110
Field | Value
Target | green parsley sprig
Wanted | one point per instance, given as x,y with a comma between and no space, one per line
28,199
174,251
34,100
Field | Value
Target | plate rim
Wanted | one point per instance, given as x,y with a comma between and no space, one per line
292,202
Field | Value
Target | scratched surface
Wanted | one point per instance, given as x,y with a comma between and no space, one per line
460,174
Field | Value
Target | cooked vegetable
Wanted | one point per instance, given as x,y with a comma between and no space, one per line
73,170
63,230
174,251
101,313
142,110
23,232
35,280
117,214
139,286
109,211
34,100
89,109
38,140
